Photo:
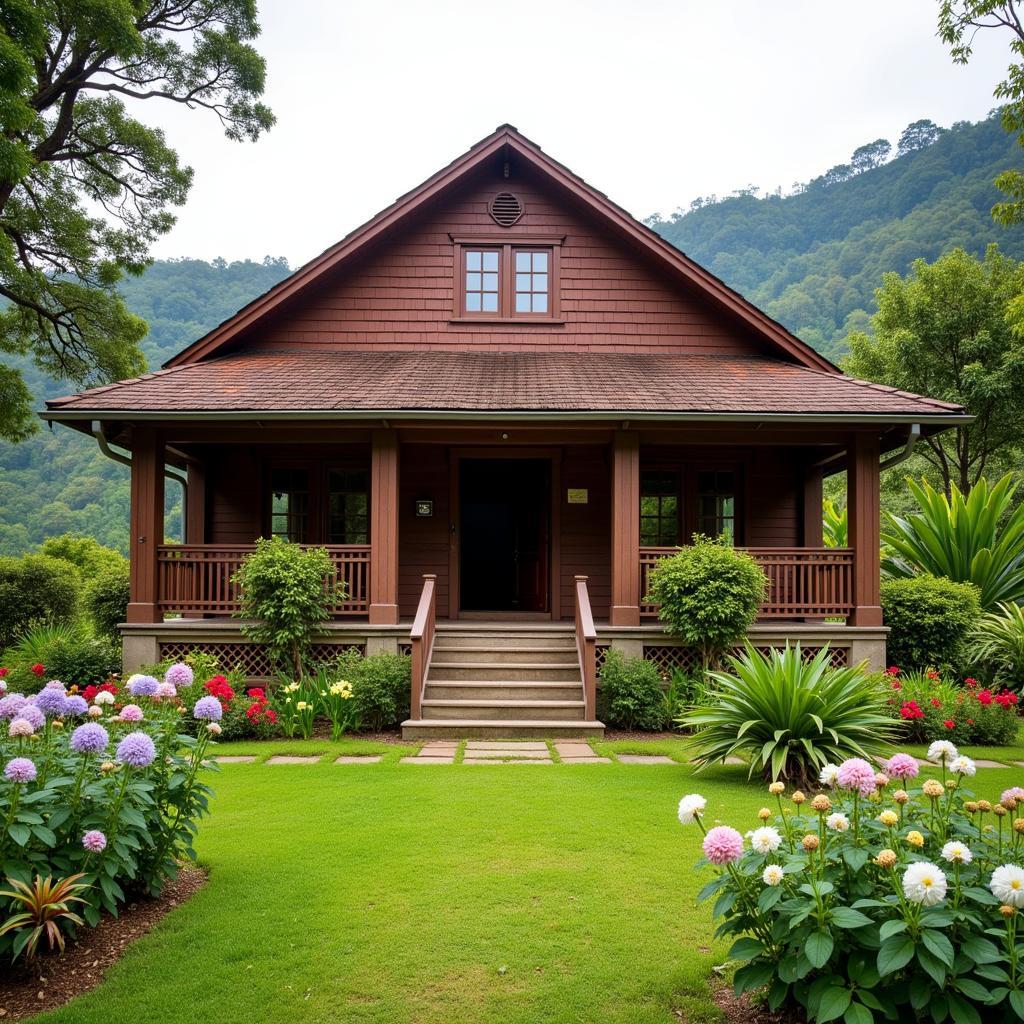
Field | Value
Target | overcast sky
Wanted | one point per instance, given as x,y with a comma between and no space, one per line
652,101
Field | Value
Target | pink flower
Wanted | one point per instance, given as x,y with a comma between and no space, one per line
131,713
856,773
94,841
723,845
902,766
1016,794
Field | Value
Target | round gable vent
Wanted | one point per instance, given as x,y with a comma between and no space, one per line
506,209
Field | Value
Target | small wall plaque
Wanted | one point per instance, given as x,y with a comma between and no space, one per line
578,496
424,508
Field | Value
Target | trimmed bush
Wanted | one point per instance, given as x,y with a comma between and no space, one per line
380,687
708,595
106,599
930,619
34,589
630,696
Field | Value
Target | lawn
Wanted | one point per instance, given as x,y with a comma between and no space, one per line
403,893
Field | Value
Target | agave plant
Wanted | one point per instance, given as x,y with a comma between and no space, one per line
998,641
789,716
47,911
962,538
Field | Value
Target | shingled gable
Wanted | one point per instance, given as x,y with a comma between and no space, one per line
506,139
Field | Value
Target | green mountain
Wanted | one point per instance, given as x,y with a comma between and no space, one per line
812,259
58,481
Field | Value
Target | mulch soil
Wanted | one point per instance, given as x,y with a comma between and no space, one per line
744,1010
53,980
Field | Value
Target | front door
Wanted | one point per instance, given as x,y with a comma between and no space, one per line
504,550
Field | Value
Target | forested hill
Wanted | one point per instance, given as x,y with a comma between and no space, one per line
57,481
812,259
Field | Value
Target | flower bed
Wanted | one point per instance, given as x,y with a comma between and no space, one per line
100,789
931,707
878,899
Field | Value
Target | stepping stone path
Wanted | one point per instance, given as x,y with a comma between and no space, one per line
578,752
506,752
645,759
235,759
358,759
292,759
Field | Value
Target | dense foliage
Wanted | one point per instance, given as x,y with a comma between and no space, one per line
929,620
997,643
35,589
106,597
381,687
630,694
873,902
787,715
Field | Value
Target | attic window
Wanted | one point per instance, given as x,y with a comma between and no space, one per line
506,209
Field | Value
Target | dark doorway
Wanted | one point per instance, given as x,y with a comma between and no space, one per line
504,550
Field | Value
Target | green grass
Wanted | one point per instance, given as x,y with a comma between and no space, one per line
422,894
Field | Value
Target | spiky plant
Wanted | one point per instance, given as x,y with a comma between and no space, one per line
997,640
787,715
47,911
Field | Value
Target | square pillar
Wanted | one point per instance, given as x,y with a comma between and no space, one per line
625,603
862,499
812,514
383,610
146,531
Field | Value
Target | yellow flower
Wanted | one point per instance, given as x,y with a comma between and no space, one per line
888,818
764,814
810,842
901,796
915,838
971,807
1000,811
886,858
933,788
984,806
776,788
798,798
1007,911
58,724
301,706
821,803
1018,824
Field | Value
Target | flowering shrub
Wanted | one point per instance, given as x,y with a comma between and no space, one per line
878,899
108,789
930,708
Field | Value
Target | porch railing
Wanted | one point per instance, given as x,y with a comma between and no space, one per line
421,638
802,582
586,646
195,579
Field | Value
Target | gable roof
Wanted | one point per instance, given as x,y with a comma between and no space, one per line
507,138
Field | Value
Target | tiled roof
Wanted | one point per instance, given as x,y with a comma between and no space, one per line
303,380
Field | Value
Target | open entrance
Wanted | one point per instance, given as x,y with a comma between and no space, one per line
505,548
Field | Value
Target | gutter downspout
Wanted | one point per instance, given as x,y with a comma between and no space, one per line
912,438
171,472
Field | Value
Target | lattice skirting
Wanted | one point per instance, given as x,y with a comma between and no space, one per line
669,658
250,658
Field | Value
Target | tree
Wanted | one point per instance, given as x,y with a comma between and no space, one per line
917,135
959,22
871,154
953,330
85,188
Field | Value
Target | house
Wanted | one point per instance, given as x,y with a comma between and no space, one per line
498,403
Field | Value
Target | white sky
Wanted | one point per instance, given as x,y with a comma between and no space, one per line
652,101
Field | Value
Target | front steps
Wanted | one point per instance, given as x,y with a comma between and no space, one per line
493,681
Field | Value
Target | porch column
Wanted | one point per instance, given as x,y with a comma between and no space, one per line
383,609
146,532
625,603
195,511
812,531
862,501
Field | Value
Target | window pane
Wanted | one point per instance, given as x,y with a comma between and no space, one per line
472,302
473,282
522,262
490,261
523,282
540,303
472,261
540,283
490,302
490,282
540,262
522,303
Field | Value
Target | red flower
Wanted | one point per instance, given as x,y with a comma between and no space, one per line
932,674
911,710
89,693
1006,699
3,672
257,693
896,684
271,715
936,703
970,682
892,670
218,687
38,669
970,721
985,697
949,723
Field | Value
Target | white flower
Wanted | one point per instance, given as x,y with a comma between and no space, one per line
103,697
829,774
773,874
963,765
3,687
942,752
1007,885
956,853
924,883
838,822
765,839
691,808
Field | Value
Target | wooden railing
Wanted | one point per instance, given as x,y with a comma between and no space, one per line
586,645
421,637
802,582
195,579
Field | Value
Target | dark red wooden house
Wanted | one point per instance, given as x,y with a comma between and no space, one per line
498,403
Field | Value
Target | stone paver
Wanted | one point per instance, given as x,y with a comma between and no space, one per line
514,745
358,759
593,759
234,759
734,760
421,759
988,764
292,759
514,760
644,759
439,750
512,755
574,748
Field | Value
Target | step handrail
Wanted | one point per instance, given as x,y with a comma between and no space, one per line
586,645
421,638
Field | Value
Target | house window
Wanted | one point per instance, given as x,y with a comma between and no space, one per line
289,504
531,281
659,509
348,507
716,503
482,277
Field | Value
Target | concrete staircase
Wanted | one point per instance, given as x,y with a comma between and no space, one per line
509,681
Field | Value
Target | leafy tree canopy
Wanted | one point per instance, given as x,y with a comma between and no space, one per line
85,188
954,330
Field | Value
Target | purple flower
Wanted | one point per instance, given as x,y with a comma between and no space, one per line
208,708
131,713
856,773
94,841
53,702
89,739
143,686
11,705
136,750
31,713
76,705
20,769
179,675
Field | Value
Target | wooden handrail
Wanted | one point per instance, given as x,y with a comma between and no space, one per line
422,640
586,646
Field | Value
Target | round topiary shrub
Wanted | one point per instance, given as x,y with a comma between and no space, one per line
708,595
34,589
929,620
630,696
106,599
